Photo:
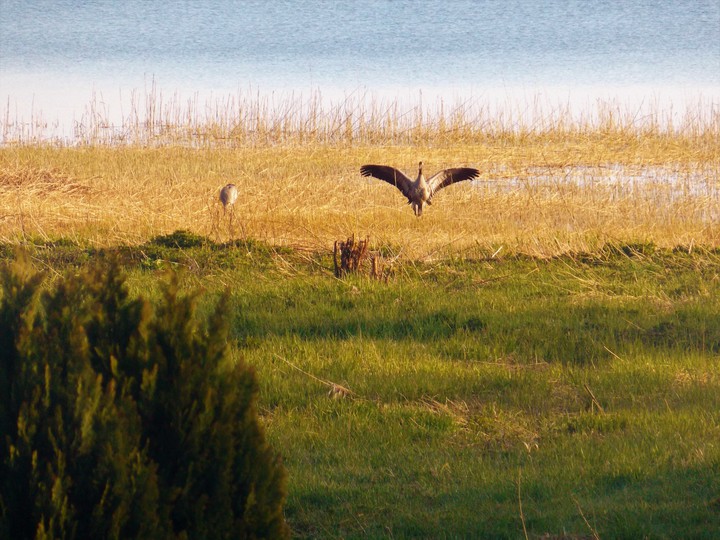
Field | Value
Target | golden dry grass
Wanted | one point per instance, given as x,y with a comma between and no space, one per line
556,187
535,196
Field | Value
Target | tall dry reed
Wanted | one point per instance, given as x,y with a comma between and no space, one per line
153,118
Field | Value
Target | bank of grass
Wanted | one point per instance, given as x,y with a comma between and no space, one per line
573,396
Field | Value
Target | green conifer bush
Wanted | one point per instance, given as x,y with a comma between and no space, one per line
121,418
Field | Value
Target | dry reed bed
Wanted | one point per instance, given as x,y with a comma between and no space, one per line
539,194
154,118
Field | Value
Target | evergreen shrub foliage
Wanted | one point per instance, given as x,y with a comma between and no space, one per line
124,419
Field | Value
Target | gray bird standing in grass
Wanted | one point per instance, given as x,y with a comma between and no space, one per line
228,195
419,191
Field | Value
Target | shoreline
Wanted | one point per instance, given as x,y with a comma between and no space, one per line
62,113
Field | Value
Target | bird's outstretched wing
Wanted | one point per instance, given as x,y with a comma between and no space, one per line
449,176
391,175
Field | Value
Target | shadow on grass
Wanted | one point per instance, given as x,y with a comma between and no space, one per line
553,332
460,307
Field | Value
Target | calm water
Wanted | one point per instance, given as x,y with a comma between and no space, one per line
56,55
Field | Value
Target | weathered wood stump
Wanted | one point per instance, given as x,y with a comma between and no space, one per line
351,255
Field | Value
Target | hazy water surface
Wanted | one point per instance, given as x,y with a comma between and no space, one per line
55,55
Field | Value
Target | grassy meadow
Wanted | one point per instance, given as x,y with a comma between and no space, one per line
541,359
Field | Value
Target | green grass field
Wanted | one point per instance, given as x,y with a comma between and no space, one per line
570,397
543,359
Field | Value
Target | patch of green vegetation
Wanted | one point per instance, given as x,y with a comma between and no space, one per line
121,419
180,239
585,388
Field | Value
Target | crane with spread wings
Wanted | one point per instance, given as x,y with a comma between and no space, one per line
419,191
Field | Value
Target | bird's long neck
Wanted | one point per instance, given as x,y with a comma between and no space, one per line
420,177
